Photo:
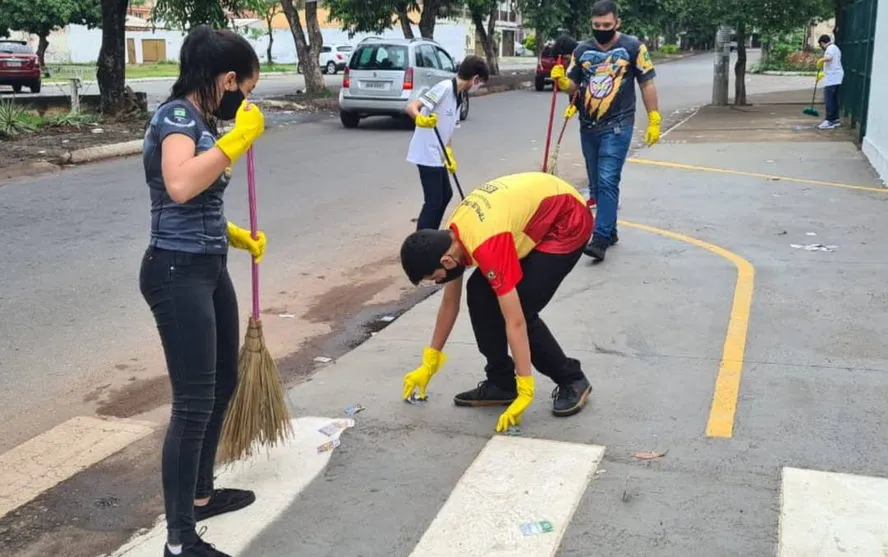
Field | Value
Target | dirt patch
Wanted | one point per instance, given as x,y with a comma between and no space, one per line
775,117
339,302
136,398
49,144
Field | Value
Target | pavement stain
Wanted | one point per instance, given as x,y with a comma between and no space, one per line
94,511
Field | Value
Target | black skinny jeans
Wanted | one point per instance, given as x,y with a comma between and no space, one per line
437,192
543,274
195,307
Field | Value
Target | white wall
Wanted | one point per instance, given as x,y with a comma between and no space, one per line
875,144
83,44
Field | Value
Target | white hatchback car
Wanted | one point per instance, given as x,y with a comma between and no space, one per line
333,58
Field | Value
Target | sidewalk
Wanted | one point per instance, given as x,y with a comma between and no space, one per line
738,377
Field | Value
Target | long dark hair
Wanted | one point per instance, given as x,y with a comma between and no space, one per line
206,53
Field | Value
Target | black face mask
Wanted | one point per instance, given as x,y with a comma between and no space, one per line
604,36
231,101
452,274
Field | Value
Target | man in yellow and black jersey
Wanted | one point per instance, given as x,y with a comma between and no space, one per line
524,233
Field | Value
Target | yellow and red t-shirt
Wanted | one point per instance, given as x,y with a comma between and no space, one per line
501,222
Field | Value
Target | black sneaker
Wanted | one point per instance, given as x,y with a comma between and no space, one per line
200,548
597,248
486,394
570,399
224,501
614,238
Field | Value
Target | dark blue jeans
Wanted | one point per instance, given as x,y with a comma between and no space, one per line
831,100
195,307
605,149
437,191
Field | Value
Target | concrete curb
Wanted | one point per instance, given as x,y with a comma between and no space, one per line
782,73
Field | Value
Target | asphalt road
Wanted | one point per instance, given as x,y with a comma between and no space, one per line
333,202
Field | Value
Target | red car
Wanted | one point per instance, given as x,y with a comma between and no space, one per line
19,66
544,67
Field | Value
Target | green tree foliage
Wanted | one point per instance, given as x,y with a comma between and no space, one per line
185,14
364,16
266,10
42,17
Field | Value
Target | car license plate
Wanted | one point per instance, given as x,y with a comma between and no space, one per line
15,64
374,85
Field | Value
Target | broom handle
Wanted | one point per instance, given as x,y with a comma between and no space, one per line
254,224
551,119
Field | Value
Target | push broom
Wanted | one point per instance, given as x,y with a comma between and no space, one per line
258,413
810,110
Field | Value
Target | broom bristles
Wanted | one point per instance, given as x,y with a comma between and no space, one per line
258,414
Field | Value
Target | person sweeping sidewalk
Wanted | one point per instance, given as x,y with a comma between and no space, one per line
830,65
603,72
439,108
184,272
524,233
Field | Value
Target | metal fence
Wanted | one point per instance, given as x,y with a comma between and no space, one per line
855,33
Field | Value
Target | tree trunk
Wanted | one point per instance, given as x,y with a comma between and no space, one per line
486,35
404,20
740,67
42,45
766,53
308,50
428,18
269,18
111,66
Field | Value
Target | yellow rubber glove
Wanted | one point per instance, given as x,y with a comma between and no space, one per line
820,64
419,378
570,111
559,77
240,238
429,121
653,131
450,161
249,124
819,76
512,415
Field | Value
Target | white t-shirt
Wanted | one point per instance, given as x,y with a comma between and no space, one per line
424,148
833,73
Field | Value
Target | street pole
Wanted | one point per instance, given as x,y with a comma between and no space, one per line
721,66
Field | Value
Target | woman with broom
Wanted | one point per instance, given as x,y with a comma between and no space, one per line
184,276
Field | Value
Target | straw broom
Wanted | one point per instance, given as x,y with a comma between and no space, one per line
258,414
552,167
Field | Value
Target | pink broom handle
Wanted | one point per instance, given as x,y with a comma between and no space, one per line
254,223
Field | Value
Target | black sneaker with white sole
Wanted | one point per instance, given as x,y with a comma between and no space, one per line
199,548
571,398
597,248
486,394
224,501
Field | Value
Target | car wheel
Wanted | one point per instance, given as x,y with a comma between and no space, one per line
349,119
331,68
16,89
35,87
464,107
539,83
299,68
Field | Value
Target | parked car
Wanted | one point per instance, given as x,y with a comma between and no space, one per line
19,66
545,63
332,58
385,75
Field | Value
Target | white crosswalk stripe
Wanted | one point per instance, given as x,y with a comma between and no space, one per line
828,514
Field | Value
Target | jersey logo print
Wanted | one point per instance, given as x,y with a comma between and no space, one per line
603,74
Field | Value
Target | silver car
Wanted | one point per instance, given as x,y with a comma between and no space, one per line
384,75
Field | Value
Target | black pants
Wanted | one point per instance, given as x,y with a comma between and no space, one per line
195,307
437,191
543,274
831,100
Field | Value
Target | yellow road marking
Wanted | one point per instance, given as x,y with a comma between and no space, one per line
727,383
755,175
